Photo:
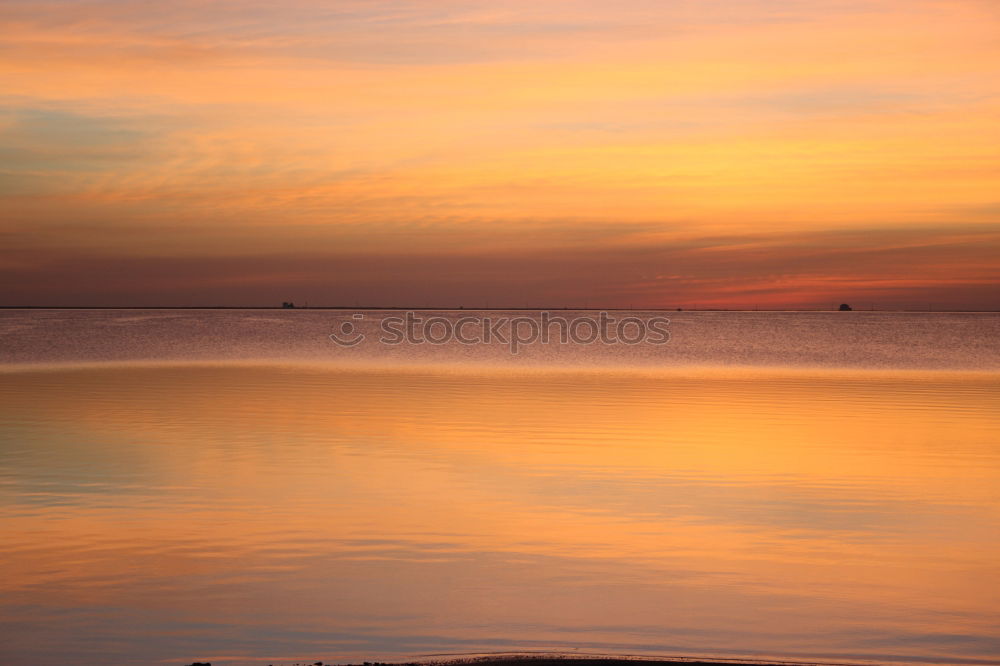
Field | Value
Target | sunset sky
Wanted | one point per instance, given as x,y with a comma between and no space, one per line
646,153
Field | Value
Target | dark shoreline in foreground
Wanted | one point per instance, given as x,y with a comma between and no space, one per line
549,659
584,659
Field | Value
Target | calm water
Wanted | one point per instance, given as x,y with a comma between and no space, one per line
232,487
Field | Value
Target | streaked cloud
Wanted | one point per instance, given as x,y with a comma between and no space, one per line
525,265
194,130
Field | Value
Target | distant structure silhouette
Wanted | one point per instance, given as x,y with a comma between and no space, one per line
844,307
289,304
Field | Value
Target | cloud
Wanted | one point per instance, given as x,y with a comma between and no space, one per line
890,267
239,129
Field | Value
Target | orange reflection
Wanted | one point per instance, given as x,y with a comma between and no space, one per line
546,500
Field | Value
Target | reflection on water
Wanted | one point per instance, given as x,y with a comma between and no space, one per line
863,340
268,513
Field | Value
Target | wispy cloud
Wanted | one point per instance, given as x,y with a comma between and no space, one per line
356,127
539,264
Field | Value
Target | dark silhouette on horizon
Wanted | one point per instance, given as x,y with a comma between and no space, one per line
544,659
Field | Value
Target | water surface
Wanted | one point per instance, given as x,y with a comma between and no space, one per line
267,504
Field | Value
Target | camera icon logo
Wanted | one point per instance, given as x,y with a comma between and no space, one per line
347,335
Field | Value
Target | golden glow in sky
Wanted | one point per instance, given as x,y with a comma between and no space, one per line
651,153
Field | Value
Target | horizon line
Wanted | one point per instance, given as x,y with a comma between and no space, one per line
478,309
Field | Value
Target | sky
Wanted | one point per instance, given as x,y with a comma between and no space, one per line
642,153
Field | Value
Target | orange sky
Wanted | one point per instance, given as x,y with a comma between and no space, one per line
770,153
